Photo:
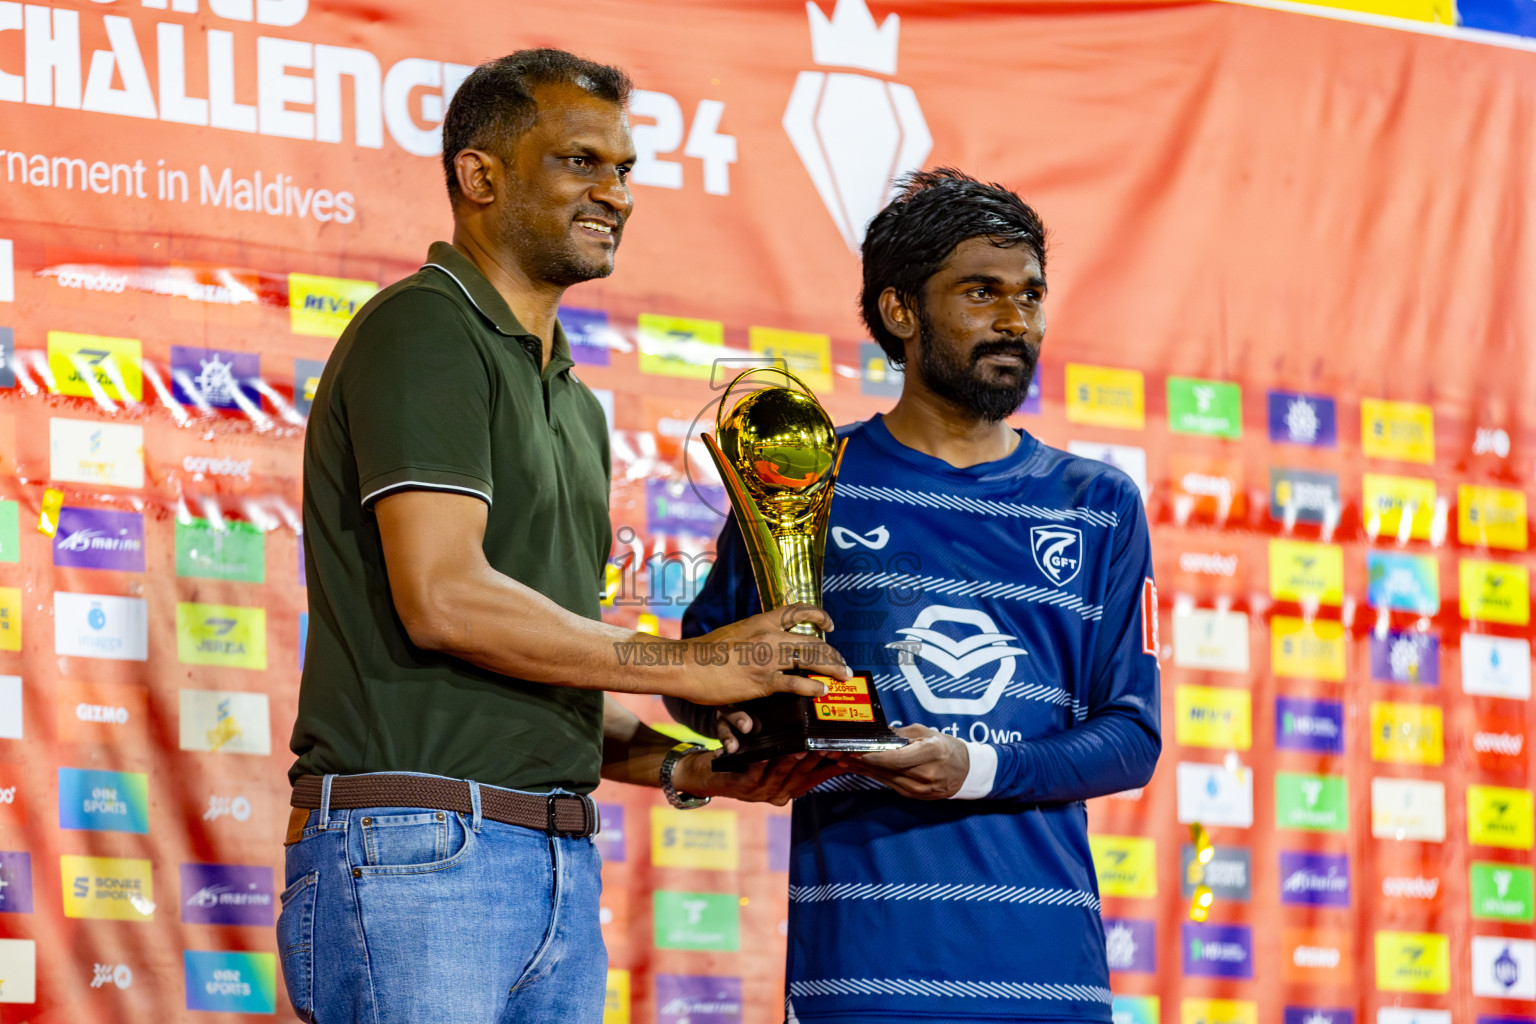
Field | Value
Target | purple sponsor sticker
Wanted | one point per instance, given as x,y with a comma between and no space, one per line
697,999
610,834
778,842
15,882
1406,656
226,894
1218,951
587,331
1297,418
1131,945
213,377
1314,879
95,538
1305,724
678,507
1031,406
1318,1015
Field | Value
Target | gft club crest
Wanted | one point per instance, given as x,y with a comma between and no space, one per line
854,133
1058,552
957,659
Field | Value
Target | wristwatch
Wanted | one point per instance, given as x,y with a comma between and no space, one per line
682,801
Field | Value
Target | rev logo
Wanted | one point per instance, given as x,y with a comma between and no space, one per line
1058,552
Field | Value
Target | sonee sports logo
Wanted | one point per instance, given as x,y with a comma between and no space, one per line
1058,552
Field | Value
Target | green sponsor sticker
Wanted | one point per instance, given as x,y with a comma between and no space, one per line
238,552
1209,408
10,533
1501,892
1316,803
698,920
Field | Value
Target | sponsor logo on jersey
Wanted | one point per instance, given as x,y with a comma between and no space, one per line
1206,408
93,538
322,306
1058,552
1304,571
89,452
15,882
980,647
211,378
1105,396
1228,874
1413,962
220,634
1312,803
1503,968
220,721
1304,496
1405,656
1317,956
1210,716
1495,592
1218,951
1491,517
1409,583
1128,459
1126,865
91,365
1495,666
706,921
1212,794
18,961
1407,733
807,356
103,712
697,999
1499,816
1385,500
875,539
675,346
226,894
1402,431
1298,418
230,982
1302,723
1307,650
100,626
1501,892
1314,879
107,888
697,839
1131,945
1211,639
1218,1011
1408,809
100,801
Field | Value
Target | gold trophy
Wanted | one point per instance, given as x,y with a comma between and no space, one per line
778,457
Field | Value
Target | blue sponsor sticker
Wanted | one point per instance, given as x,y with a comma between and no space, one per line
303,637
588,333
1318,1015
226,894
1218,951
1302,723
1314,879
215,378
1512,17
1298,418
230,982
15,882
97,538
1409,583
697,999
679,507
97,801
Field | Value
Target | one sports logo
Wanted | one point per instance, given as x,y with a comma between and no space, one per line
1058,552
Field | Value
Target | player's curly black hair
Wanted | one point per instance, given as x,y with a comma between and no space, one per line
933,212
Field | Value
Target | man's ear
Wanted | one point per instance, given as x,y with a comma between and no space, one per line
479,173
897,317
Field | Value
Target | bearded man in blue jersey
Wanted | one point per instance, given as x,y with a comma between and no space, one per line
999,594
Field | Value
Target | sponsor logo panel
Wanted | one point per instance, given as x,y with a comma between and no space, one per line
101,801
697,999
877,377
1318,1015
1318,956
1404,1015
221,634
616,998
1503,968
12,720
10,527
1498,744
1501,892
778,842
1209,716
1402,431
1495,592
1407,733
230,982
1105,396
226,894
231,550
1299,418
807,356
1408,809
675,346
1206,408
590,336
1136,1010
90,452
1312,803
103,712
10,619
1495,666
1413,962
1210,639
225,722
1218,951
18,957
1304,496
1303,723
213,378
322,306
1209,563
1385,500
1126,865
694,839
15,882
1314,879
13,803
100,626
1405,656
674,508
610,833
94,538
1214,795
306,381
706,921
1131,945
1228,874
1304,571
91,364
1218,1011
107,888
1409,583
1491,517
1307,650
1128,459
1499,816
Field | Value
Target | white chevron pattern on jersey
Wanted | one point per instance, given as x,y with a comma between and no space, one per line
921,891
961,588
981,506
947,989
894,682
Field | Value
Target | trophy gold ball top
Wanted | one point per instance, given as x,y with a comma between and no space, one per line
783,445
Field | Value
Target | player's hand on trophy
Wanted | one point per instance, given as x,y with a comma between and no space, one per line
730,725
931,767
777,781
756,657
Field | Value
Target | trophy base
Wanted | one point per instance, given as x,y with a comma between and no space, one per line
848,719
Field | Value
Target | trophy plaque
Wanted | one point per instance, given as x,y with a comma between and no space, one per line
778,455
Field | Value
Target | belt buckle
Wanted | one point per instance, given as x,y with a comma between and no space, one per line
588,815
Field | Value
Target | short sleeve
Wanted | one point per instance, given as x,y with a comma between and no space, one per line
416,395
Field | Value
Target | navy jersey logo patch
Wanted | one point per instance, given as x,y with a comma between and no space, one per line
1058,552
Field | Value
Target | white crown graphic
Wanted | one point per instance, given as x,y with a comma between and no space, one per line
851,39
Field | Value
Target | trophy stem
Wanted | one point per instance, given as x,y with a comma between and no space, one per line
800,572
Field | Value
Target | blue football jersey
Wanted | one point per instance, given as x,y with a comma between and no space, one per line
1010,605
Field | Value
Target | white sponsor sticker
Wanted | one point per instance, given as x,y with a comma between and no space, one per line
1129,460
1213,794
1495,666
92,452
1411,809
1408,1015
10,707
1503,968
225,722
1205,638
7,271
100,626
18,971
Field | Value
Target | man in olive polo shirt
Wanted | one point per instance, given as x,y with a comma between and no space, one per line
451,715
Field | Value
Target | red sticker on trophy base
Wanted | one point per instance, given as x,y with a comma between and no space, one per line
844,701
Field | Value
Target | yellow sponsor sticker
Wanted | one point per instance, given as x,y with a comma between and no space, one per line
10,618
107,888
1126,865
616,998
1495,592
1402,431
1443,11
1386,499
1106,396
1302,570
221,634
1218,1011
676,346
1491,517
1407,733
323,306
1499,816
694,839
1413,962
807,356
1213,716
112,365
1307,650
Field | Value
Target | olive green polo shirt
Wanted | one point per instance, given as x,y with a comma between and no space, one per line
435,386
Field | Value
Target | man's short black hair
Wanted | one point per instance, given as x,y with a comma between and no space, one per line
495,104
933,212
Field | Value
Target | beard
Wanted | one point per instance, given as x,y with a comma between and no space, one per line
559,261
959,379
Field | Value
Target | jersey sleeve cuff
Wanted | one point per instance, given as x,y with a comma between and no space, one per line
416,479
983,773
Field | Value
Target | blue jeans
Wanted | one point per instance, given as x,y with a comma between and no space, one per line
409,914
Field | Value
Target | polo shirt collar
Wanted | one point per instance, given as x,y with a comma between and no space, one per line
488,301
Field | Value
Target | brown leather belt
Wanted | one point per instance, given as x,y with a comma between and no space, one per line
563,815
